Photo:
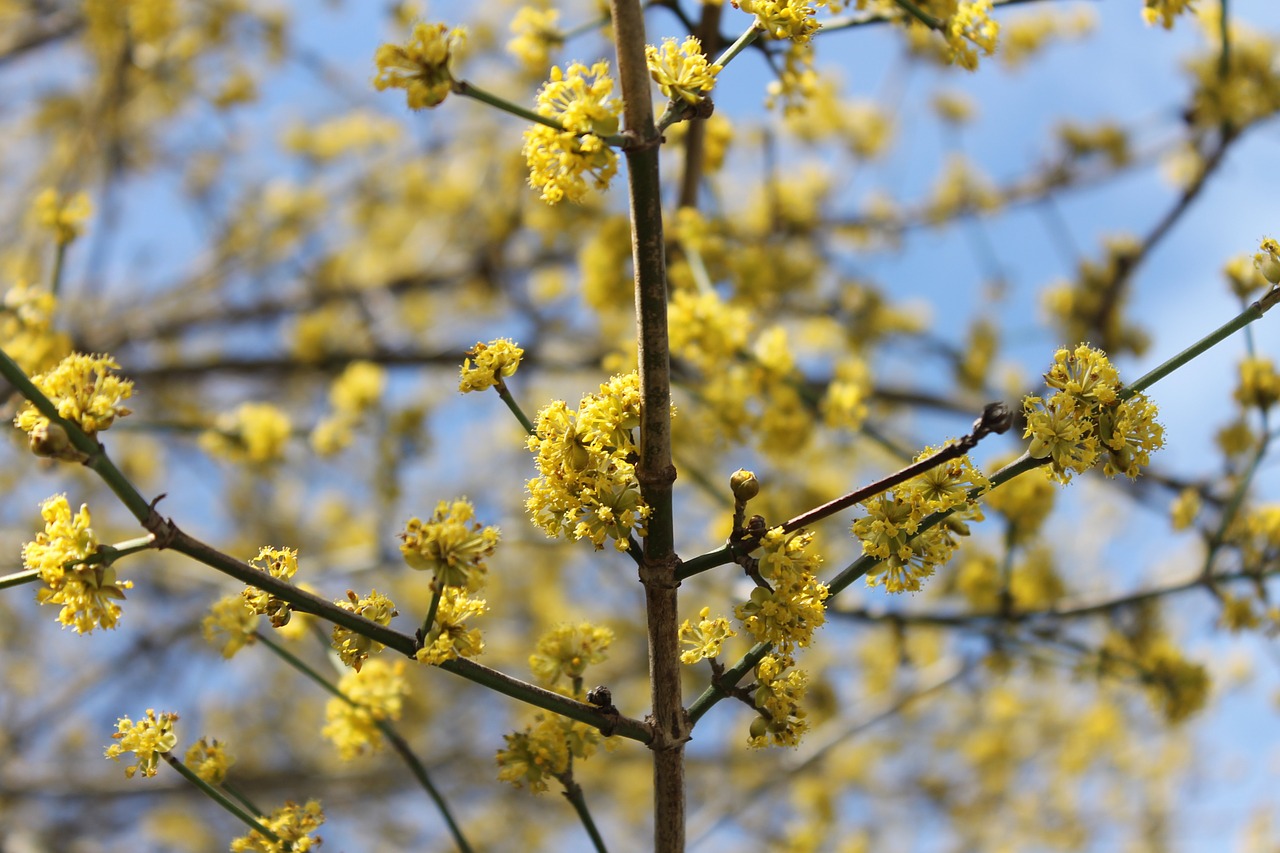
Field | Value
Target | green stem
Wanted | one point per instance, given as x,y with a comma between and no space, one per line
240,797
573,793
751,34
919,14
19,578
500,386
432,609
470,90
221,799
59,263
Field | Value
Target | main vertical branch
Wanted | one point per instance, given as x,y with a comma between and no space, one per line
655,471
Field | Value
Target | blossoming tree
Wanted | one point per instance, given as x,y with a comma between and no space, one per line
751,585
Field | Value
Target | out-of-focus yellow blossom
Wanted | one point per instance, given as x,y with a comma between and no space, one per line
797,83
26,327
783,19
1025,502
681,72
1023,37
1244,277
239,87
1267,261
1186,506
786,615
962,189
535,36
970,26
254,432
82,391
844,406
1259,383
1177,686
1089,306
354,132
1109,140
485,363
567,650
977,355
354,649
604,260
209,760
1236,438
706,330
719,134
373,694
292,824
451,545
147,739
1164,11
280,563
358,388
1248,92
955,108
1238,614
705,638
63,215
579,99
1086,419
777,696
230,625
449,636
587,488
421,66
86,591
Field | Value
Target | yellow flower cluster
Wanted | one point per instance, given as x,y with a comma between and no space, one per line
543,750
587,488
1259,383
1248,92
778,694
1164,11
1267,261
230,625
87,591
26,327
450,544
783,19
786,613
450,637
420,67
704,639
486,363
352,133
356,390
1086,417
1089,305
558,159
83,391
209,760
968,27
254,432
292,824
354,649
280,563
567,651
147,739
535,36
63,215
891,529
372,694
681,72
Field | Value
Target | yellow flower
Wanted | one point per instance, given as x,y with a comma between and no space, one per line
704,639
373,694
536,35
63,215
86,589
782,721
783,19
567,650
449,637
292,824
681,72
1267,261
354,649
1259,383
230,625
535,755
358,388
579,100
1185,508
281,563
254,432
486,362
788,612
147,739
83,391
971,25
451,545
420,67
209,760
1164,11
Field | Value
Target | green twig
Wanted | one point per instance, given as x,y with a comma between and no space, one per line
19,578
221,799
573,793
500,386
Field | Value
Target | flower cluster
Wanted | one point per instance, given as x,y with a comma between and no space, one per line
891,529
578,99
783,19
968,27
209,760
587,486
1164,11
230,625
63,215
282,564
704,639
778,697
450,544
86,589
292,824
84,392
787,612
1088,417
26,327
543,750
420,67
681,72
535,35
1259,383
567,651
356,390
1267,261
253,432
485,364
354,649
369,696
449,636
147,739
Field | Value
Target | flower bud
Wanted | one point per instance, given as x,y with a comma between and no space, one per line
744,484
